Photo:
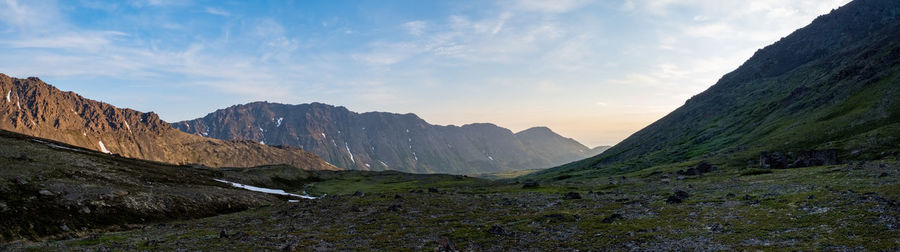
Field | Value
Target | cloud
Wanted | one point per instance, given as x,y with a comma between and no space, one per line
89,41
415,28
159,3
30,16
217,12
554,7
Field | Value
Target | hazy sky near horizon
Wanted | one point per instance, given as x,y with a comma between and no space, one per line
596,71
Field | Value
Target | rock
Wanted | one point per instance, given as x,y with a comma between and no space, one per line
611,218
397,196
395,208
555,217
730,195
811,197
807,158
572,196
290,246
64,228
530,184
45,192
356,209
705,167
432,190
496,230
446,245
715,228
223,234
883,174
774,160
678,197
85,210
359,194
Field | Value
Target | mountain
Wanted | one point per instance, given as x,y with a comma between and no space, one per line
599,150
387,141
830,85
35,108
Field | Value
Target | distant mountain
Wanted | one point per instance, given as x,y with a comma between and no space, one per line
32,107
599,150
387,141
834,84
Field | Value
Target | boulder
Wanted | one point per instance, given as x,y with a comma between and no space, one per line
572,196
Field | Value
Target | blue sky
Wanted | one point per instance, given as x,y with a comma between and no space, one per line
596,71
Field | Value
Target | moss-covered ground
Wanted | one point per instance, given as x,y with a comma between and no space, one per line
845,207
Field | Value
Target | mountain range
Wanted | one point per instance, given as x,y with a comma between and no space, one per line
833,84
32,107
389,141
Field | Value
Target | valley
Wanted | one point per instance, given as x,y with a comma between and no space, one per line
843,207
797,149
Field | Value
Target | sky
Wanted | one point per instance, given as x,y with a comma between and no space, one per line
596,71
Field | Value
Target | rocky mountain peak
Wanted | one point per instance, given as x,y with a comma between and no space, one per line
35,108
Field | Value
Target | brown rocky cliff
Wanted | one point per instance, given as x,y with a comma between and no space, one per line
32,107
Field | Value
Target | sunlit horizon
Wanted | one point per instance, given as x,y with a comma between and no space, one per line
595,71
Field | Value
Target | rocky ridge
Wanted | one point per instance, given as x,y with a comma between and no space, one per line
388,141
32,107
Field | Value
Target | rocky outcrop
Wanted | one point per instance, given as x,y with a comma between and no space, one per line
388,141
778,160
30,106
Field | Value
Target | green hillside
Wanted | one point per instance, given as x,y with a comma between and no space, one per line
830,85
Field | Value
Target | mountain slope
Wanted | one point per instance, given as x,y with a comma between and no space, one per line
49,188
832,84
32,107
387,141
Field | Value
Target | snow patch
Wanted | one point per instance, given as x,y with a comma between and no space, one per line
407,130
17,102
55,146
7,95
491,158
333,143
260,129
103,148
323,135
409,139
414,156
266,190
206,133
262,142
382,163
368,166
348,152
127,126
278,123
83,133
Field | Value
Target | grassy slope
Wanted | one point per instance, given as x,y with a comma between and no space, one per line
817,208
50,189
845,100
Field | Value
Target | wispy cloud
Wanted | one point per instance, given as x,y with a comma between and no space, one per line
217,12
